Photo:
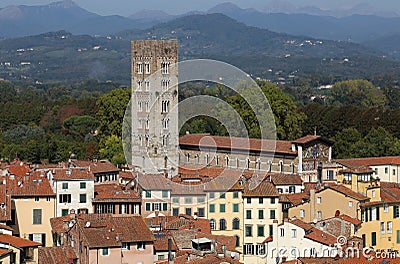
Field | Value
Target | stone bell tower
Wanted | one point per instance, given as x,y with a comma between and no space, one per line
155,135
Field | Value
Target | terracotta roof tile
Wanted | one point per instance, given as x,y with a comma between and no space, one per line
114,193
107,230
309,138
161,244
101,166
5,251
73,174
56,255
365,162
18,241
36,184
235,143
297,198
264,189
19,170
346,191
315,233
286,179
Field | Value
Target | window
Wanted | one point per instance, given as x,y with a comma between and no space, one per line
261,214
212,224
248,214
82,185
373,239
282,231
165,85
271,230
271,214
386,170
389,227
148,206
201,212
373,194
237,241
302,213
82,198
396,213
147,67
222,195
394,172
37,216
147,106
164,194
212,195
249,230
260,200
235,208
165,67
248,200
222,208
398,236
165,123
164,206
141,246
48,199
188,200
148,194
319,214
235,195
105,251
200,200
37,199
385,208
329,175
273,200
382,227
126,245
188,211
147,85
65,185
260,230
140,106
64,212
319,200
175,211
212,208
350,204
222,224
294,233
64,198
140,85
292,189
235,224
164,106
139,67
175,200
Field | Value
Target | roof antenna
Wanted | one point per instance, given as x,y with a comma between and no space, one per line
315,131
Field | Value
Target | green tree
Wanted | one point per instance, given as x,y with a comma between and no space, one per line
357,92
110,112
345,141
113,150
81,125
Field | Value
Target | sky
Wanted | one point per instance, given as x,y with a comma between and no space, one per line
128,7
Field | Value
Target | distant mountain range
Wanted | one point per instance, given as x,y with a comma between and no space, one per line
62,56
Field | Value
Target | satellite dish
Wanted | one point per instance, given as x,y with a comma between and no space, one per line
70,225
87,224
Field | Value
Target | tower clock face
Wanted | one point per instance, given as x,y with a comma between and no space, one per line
317,151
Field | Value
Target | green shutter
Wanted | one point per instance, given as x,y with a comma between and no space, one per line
212,208
373,239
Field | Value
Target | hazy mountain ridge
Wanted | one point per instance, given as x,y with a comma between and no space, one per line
62,56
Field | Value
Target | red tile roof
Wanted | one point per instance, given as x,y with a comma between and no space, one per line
365,162
310,138
106,230
390,193
161,244
101,166
114,193
350,219
18,241
235,143
315,234
19,170
286,179
346,191
297,198
73,174
263,189
33,185
56,255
